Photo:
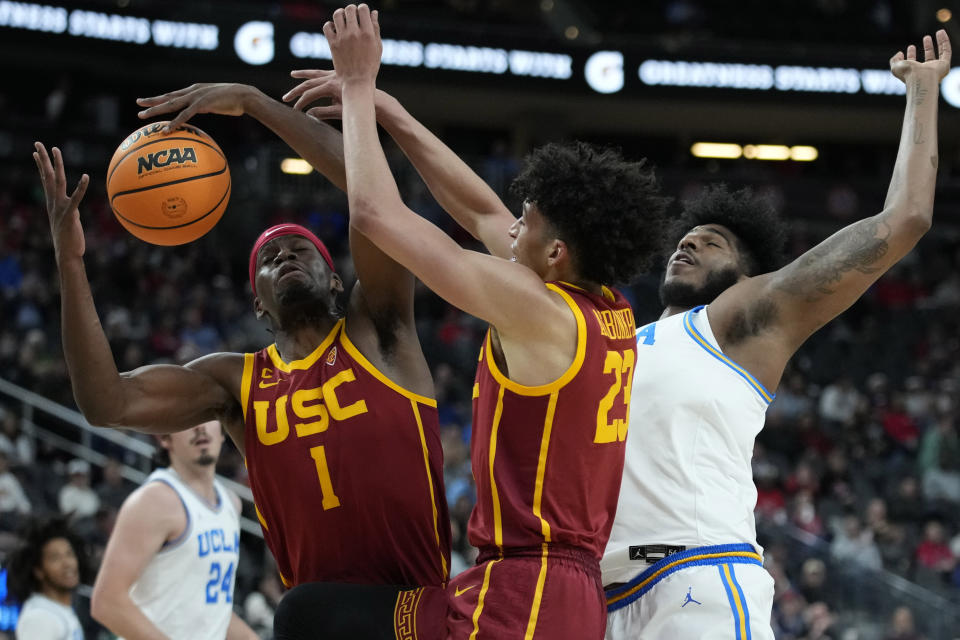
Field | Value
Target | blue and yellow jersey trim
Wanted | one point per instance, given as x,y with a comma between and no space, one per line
724,554
568,375
719,355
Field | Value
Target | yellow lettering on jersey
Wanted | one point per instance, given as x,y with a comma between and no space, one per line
620,365
330,397
261,407
616,325
306,411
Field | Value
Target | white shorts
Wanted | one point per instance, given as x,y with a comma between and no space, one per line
706,592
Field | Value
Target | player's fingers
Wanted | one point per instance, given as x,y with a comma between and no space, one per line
181,117
330,112
330,31
943,44
911,52
897,57
350,16
146,102
79,192
300,89
306,73
928,52
363,17
375,19
339,20
312,95
163,107
59,175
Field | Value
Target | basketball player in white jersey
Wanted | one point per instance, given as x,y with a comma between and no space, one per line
43,573
171,561
683,560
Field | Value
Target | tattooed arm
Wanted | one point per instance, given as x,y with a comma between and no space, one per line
782,309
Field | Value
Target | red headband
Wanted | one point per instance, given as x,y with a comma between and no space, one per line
285,229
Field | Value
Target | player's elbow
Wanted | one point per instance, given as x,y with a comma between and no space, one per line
102,605
919,221
363,215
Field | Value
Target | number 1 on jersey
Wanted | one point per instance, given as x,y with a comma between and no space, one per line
330,499
621,365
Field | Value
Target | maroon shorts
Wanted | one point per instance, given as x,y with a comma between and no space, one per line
529,594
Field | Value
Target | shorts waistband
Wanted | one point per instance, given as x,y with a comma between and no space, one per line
577,555
622,595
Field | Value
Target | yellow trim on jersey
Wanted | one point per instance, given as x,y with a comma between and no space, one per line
304,363
245,383
734,591
542,466
494,494
572,370
483,592
433,500
366,364
263,522
686,560
537,596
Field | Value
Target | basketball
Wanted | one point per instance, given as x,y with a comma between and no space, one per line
168,189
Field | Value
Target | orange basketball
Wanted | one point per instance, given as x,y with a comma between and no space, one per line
168,189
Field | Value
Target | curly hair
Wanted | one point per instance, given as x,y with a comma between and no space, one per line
21,563
608,210
760,232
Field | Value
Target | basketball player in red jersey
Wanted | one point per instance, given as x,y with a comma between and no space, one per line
335,419
551,390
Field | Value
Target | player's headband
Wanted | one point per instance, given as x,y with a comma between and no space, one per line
285,229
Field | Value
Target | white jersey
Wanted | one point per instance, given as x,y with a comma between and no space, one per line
44,619
187,589
694,415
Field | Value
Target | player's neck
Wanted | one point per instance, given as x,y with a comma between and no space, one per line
574,279
302,341
60,596
673,310
199,478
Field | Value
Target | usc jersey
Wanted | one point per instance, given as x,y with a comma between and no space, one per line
548,459
345,467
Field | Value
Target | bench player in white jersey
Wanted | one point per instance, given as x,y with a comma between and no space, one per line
682,560
171,561
43,573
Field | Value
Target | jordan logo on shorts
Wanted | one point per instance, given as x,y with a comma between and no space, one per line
689,599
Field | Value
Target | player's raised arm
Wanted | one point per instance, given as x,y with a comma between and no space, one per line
819,285
158,399
503,293
317,142
457,188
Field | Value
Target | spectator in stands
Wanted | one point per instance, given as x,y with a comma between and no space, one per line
934,559
13,499
939,461
854,545
813,580
839,404
260,604
901,626
113,489
14,442
76,497
905,505
900,426
788,621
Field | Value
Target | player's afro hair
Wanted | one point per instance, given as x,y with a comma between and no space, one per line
21,581
761,233
608,210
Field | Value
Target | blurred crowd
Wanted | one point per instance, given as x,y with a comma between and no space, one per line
858,468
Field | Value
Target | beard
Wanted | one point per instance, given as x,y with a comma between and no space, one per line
205,459
687,296
302,304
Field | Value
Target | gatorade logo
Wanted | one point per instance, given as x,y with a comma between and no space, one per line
165,157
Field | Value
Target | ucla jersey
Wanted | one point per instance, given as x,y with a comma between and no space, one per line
187,589
694,416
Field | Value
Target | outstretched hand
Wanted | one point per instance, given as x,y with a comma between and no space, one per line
354,38
225,99
317,84
903,65
62,210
